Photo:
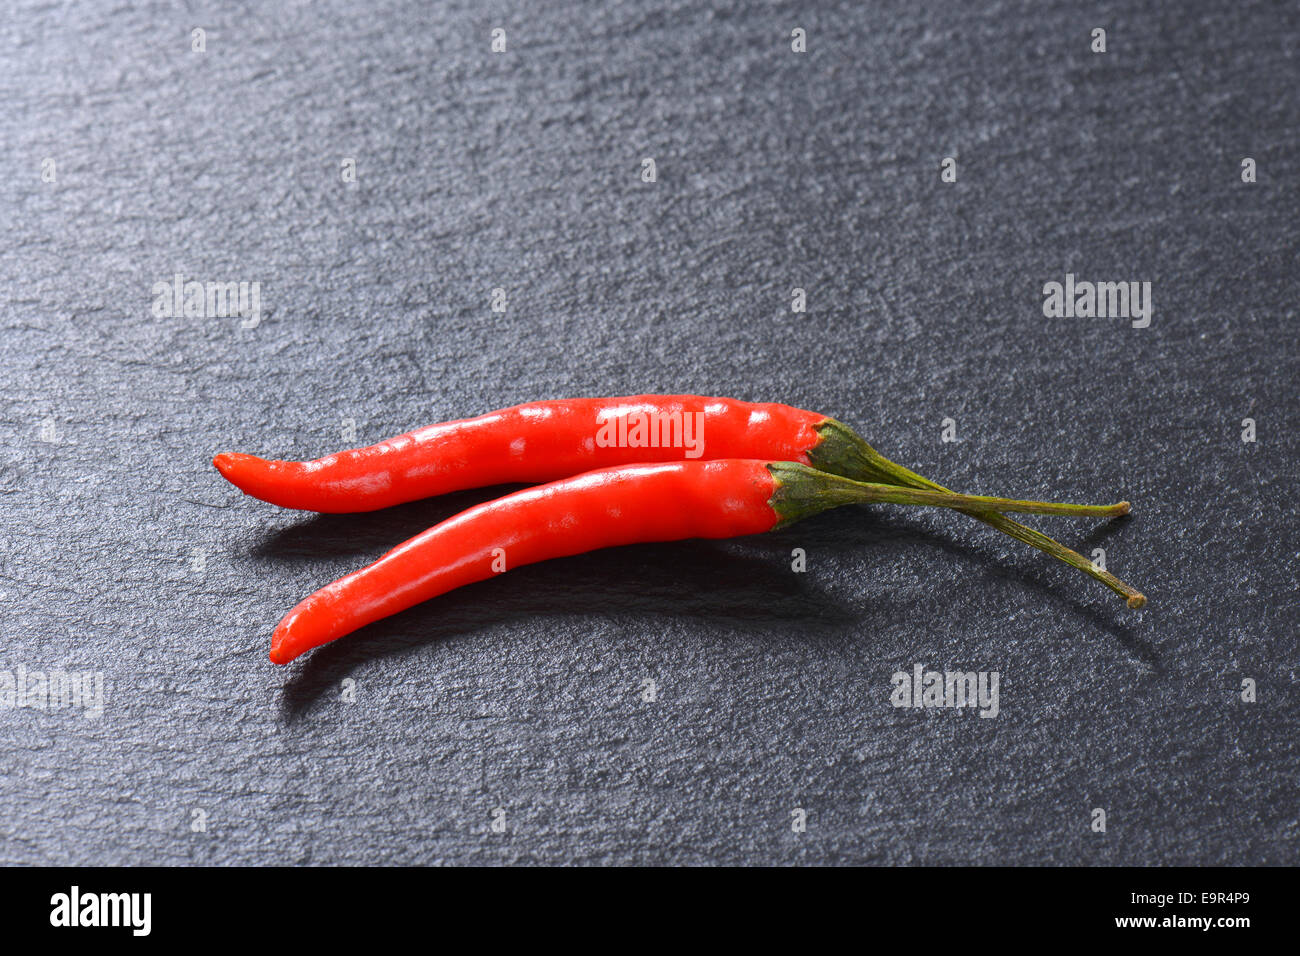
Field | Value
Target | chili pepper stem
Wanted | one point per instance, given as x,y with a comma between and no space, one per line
844,450
1134,598
811,491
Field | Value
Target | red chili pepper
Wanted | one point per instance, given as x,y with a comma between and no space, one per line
535,442
543,441
600,509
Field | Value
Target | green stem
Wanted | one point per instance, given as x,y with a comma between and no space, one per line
844,452
821,490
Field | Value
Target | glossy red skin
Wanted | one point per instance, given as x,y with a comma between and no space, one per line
599,509
539,441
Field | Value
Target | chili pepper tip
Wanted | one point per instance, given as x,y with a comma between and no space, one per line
228,461
283,648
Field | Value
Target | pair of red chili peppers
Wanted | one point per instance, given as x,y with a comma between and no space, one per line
756,467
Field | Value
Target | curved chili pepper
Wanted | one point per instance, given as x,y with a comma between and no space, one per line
599,509
543,441
531,443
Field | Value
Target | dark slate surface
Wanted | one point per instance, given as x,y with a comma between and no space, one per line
775,170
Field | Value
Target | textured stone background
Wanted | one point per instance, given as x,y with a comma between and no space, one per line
521,171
